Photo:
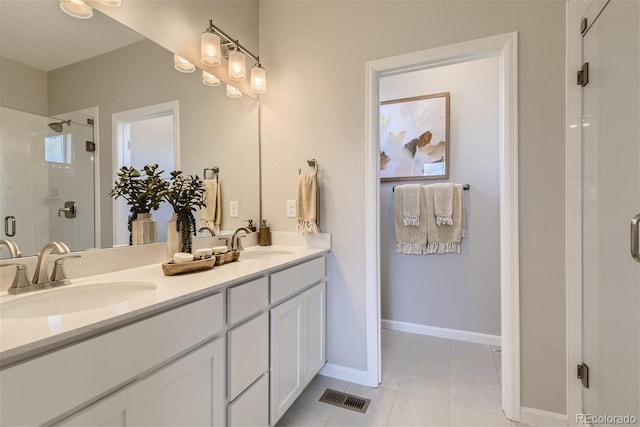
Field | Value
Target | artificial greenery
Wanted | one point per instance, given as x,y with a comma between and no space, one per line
185,194
143,191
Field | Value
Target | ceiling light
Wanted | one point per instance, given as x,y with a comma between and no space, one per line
183,65
76,8
233,92
209,79
258,79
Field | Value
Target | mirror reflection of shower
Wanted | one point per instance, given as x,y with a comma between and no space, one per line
57,126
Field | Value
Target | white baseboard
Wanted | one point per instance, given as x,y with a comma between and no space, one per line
538,417
346,374
434,331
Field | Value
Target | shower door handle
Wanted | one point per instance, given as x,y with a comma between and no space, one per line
634,237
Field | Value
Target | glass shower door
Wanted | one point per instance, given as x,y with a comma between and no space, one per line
611,198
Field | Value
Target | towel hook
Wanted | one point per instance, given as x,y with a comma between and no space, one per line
312,163
211,173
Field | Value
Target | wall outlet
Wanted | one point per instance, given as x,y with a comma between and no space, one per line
292,209
233,209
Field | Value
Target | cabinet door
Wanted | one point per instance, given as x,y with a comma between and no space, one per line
248,356
108,412
188,392
286,355
314,331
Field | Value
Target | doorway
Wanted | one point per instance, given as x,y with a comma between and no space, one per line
504,47
147,135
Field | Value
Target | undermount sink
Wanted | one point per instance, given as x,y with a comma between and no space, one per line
263,253
66,300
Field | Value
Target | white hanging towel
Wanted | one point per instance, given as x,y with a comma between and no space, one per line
410,204
308,205
443,203
443,239
210,215
410,239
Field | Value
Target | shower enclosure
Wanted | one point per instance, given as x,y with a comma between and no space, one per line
46,180
610,205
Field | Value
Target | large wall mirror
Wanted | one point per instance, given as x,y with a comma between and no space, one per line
64,82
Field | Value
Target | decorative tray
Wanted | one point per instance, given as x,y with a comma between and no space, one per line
172,268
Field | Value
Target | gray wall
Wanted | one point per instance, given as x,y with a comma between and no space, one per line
451,291
315,53
22,87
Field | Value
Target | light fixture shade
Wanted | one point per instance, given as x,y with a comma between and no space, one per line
76,8
233,92
209,79
258,79
111,3
183,65
237,65
210,49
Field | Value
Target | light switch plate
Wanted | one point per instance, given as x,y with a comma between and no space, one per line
292,209
233,209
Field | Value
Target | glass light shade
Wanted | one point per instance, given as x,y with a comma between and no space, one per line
209,79
183,65
237,65
76,8
233,92
210,49
112,3
258,79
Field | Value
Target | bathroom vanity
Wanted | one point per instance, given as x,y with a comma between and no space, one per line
234,345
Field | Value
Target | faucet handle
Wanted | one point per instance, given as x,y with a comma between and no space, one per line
58,276
227,241
239,242
21,282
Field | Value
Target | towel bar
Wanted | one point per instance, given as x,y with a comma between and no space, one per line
210,173
312,163
464,187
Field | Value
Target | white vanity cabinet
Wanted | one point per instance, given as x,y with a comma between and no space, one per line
297,332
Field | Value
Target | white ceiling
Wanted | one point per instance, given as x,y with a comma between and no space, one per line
37,33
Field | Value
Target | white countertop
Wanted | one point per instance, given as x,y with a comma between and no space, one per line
22,338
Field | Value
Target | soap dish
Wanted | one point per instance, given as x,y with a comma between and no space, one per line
173,268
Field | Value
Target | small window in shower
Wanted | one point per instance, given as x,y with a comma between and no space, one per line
57,149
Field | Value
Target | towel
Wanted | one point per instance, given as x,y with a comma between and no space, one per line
411,204
308,205
410,240
442,239
210,215
443,203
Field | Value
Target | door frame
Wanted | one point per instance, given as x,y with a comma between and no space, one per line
505,47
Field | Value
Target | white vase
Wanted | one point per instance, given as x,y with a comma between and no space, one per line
174,240
144,229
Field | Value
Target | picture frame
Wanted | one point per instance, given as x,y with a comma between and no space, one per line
414,138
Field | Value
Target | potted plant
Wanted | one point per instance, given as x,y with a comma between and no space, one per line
185,194
143,191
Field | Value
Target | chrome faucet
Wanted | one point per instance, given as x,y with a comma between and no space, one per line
236,244
11,247
40,275
209,229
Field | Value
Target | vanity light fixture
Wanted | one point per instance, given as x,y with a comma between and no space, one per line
79,9
209,79
233,92
183,65
76,8
214,41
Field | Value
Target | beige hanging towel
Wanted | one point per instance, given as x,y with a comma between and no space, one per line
444,239
411,204
410,239
308,205
443,203
211,214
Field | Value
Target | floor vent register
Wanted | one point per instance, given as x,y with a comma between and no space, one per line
345,400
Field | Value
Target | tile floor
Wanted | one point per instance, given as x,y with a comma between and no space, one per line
426,381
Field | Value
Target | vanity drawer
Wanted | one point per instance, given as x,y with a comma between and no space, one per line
247,299
252,408
248,353
290,281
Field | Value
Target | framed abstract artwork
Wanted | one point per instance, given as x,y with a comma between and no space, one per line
414,138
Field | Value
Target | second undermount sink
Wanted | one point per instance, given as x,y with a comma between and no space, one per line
66,300
263,253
